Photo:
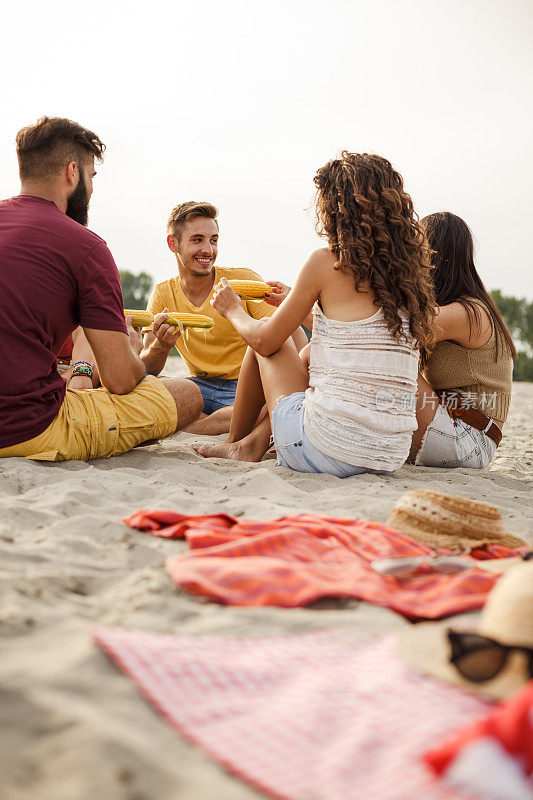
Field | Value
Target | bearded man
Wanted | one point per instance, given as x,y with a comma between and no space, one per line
56,275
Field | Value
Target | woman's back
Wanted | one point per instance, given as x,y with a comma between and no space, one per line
474,352
338,296
360,405
482,375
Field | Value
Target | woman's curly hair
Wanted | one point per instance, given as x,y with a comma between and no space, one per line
373,231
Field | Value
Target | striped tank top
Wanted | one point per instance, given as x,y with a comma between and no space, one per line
361,401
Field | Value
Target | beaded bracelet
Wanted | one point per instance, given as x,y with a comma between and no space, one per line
82,368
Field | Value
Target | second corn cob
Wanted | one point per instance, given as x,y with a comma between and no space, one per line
250,289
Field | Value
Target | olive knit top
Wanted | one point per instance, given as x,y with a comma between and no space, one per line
483,381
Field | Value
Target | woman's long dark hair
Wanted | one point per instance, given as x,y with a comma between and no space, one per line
455,277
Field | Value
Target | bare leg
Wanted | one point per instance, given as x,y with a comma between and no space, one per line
305,355
212,424
188,399
281,374
249,399
251,448
254,446
241,421
300,339
427,402
249,402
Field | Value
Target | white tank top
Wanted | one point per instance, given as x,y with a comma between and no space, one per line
360,405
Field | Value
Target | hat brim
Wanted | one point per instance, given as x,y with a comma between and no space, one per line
426,646
438,538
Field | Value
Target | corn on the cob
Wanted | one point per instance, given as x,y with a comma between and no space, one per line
185,320
250,289
139,319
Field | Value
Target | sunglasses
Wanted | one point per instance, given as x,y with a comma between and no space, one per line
478,658
447,564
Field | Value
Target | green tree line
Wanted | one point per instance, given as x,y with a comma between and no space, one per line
517,312
136,289
518,315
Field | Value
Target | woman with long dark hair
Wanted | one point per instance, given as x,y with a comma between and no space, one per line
465,389
354,410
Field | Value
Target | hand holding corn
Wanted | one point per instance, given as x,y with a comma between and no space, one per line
135,335
166,334
278,293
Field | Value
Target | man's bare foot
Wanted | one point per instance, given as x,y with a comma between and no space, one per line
234,451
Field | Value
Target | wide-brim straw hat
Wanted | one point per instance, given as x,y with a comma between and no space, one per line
445,520
507,618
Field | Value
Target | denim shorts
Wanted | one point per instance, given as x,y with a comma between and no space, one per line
453,443
216,392
293,448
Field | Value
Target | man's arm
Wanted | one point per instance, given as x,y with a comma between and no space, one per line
101,316
119,366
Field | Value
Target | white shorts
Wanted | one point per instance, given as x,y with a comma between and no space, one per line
453,443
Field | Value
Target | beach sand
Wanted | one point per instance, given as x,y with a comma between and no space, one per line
72,726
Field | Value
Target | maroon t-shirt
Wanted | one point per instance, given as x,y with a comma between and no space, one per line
54,275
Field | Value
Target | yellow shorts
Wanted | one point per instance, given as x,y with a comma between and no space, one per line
97,424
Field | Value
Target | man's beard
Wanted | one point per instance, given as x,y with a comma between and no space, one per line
78,203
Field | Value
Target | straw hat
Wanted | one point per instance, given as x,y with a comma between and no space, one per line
444,520
507,617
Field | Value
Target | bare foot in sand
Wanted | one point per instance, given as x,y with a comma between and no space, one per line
235,451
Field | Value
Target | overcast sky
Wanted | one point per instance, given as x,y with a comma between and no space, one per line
239,103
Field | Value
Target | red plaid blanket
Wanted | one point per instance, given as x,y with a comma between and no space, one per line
295,560
301,716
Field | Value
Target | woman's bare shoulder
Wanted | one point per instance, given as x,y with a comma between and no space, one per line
324,254
454,322
321,259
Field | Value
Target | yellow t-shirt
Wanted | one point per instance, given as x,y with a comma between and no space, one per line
217,353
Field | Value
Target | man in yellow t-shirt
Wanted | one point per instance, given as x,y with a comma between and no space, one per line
213,357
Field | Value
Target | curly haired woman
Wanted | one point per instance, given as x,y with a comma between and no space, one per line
354,410
464,396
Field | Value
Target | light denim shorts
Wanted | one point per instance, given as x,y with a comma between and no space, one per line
452,443
293,448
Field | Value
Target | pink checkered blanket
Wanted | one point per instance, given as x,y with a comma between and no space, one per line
301,717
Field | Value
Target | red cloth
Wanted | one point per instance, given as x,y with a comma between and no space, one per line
510,724
55,275
66,350
300,716
293,561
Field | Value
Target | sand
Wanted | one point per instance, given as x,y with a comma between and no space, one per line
72,727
